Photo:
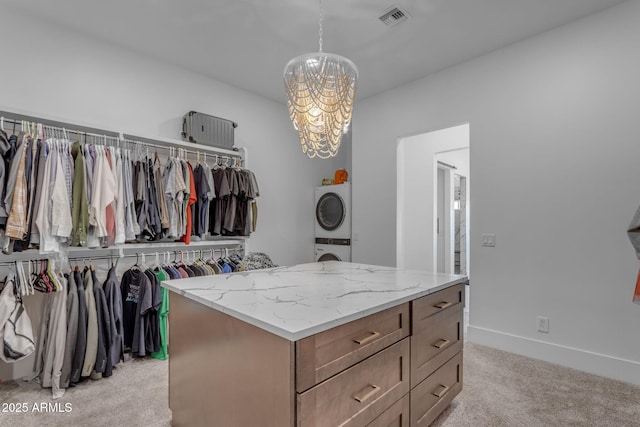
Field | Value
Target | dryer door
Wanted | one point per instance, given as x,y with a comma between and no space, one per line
330,211
329,257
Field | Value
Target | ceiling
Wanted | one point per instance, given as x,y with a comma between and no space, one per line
246,43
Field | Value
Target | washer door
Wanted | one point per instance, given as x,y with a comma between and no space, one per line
330,211
329,257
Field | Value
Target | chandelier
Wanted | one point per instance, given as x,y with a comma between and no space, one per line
320,92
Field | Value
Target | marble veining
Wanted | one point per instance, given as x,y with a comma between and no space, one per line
299,301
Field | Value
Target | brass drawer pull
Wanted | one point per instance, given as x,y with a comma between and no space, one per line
442,305
441,392
442,343
367,339
368,394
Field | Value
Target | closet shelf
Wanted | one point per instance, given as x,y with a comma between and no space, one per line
190,146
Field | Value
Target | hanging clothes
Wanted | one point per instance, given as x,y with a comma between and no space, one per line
4,148
137,300
91,351
102,193
32,171
53,358
163,311
83,320
171,192
120,201
34,231
103,363
16,197
162,201
114,306
80,211
218,210
191,199
58,193
60,216
152,326
132,228
72,330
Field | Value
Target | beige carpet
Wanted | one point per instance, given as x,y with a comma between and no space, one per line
500,389
136,394
504,389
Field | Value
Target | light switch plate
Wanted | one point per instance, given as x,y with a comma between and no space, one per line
489,240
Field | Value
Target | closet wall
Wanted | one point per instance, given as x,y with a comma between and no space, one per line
52,72
554,146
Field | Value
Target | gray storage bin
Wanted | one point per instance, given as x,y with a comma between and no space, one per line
208,130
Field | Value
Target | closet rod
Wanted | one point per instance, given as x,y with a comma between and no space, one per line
68,131
116,257
18,118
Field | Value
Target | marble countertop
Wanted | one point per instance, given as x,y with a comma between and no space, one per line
302,300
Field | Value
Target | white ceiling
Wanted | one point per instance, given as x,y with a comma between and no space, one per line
246,43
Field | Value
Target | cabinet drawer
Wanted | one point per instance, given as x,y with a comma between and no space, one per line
358,395
323,355
396,416
429,305
432,395
435,343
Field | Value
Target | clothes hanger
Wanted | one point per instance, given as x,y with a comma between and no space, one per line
45,276
136,266
28,279
38,281
50,274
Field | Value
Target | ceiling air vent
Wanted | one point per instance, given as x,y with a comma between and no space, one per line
393,16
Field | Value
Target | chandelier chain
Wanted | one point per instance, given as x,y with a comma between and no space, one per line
320,31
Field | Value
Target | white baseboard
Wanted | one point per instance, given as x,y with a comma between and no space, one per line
594,363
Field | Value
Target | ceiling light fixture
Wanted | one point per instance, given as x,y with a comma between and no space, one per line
320,90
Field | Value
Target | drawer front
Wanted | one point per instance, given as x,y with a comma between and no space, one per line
429,305
325,354
358,395
433,395
436,343
396,416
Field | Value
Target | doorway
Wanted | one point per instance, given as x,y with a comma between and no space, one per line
418,221
460,224
451,210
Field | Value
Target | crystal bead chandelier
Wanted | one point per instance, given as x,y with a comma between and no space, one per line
320,90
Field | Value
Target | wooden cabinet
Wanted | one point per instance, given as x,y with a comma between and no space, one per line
396,368
432,395
323,355
437,331
357,395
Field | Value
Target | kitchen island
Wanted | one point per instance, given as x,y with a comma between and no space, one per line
321,344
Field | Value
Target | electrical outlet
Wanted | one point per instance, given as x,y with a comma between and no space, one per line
543,324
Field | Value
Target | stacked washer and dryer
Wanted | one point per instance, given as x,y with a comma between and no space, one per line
333,222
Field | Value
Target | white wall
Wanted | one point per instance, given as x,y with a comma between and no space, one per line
554,149
416,212
61,74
